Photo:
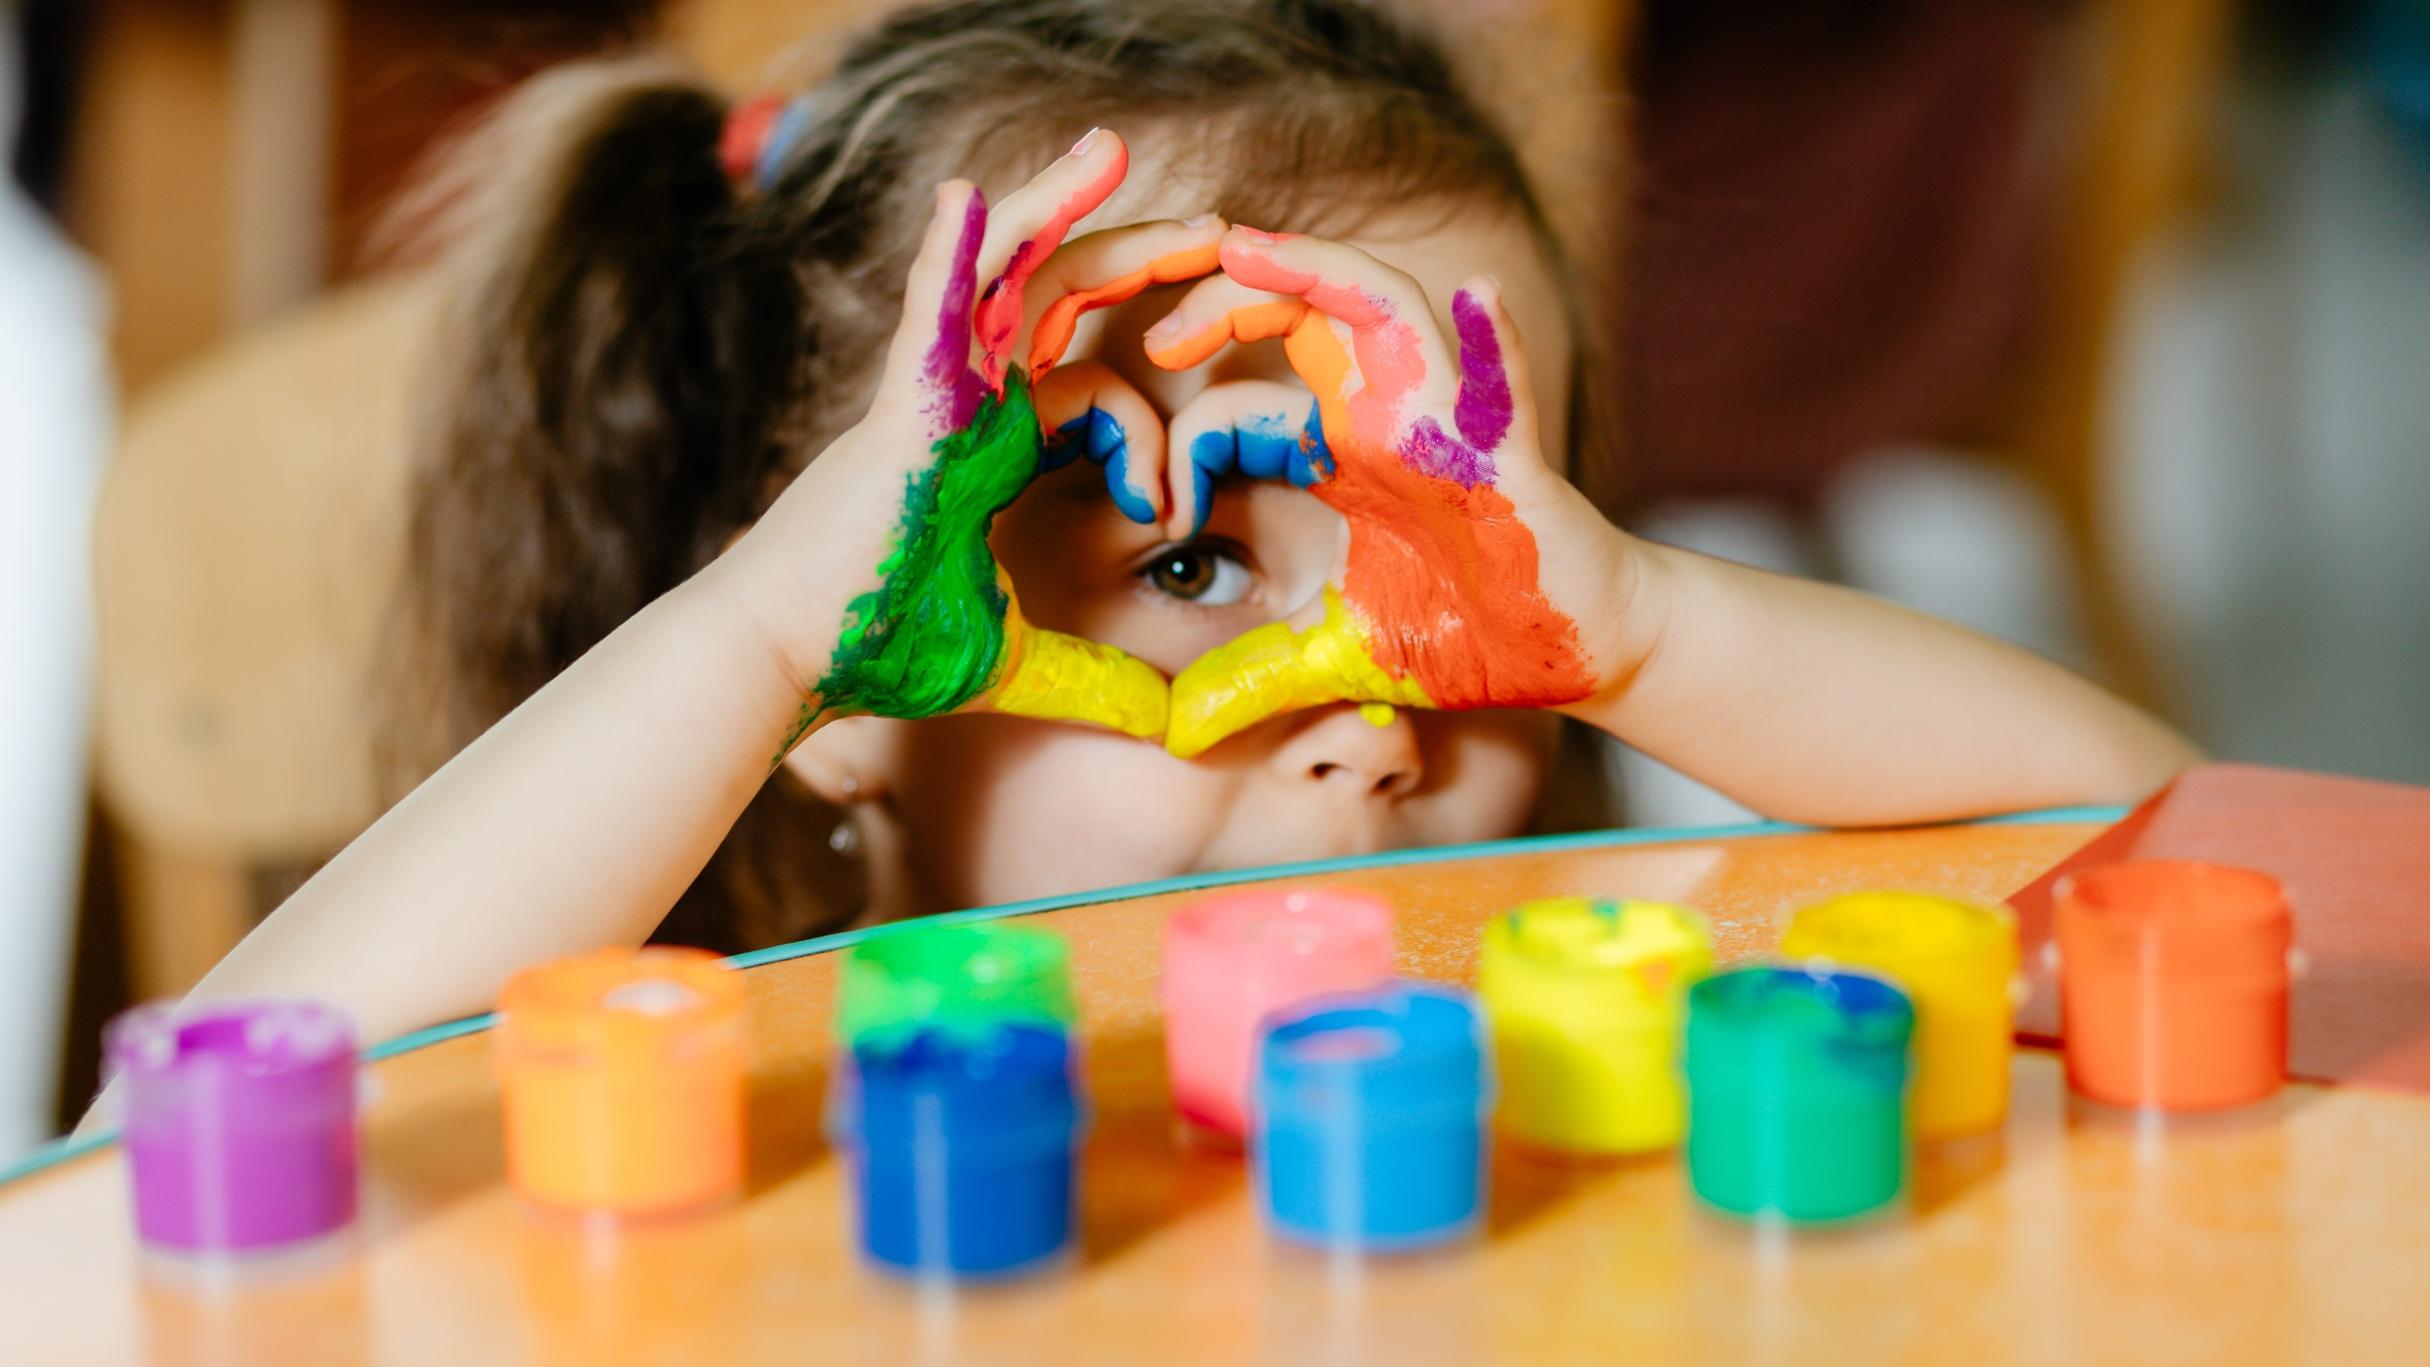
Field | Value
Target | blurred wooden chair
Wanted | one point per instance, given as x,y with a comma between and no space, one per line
2155,69
245,554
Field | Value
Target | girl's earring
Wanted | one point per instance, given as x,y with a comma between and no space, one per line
845,839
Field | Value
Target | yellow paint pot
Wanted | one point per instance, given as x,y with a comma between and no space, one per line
1585,998
1958,963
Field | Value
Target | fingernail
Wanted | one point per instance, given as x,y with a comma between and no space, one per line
1201,221
1164,329
1087,140
1257,235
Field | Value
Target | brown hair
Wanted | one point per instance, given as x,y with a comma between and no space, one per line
641,353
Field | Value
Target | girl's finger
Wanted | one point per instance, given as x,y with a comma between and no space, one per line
1402,357
1088,410
1215,313
1101,269
1260,429
1026,229
928,360
1496,409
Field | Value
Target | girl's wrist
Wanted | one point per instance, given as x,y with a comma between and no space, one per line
790,631
1647,577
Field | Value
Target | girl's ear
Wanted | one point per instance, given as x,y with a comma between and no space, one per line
849,761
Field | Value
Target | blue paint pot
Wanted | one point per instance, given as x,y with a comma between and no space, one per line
1369,1119
962,1146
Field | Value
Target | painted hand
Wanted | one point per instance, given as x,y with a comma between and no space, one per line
1444,598
942,631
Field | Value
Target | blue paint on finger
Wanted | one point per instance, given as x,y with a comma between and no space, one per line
1064,444
1211,454
1260,446
1313,462
1099,436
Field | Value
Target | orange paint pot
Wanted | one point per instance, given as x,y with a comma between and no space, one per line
2173,984
622,1077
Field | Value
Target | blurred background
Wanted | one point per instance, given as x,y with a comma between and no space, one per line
2103,325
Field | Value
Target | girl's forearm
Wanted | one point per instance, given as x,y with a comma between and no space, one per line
1814,703
573,823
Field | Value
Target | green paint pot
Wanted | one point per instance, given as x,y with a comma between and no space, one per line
1797,1092
960,977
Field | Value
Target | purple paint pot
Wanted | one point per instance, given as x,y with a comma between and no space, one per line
239,1124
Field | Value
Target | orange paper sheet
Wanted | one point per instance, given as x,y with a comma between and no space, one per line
2354,858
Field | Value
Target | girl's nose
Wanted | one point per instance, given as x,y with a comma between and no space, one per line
1338,747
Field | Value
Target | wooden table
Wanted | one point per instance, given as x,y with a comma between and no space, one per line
2298,1233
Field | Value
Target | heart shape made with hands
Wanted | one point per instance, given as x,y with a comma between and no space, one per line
1439,603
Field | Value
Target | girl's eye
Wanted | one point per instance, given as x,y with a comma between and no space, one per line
1200,574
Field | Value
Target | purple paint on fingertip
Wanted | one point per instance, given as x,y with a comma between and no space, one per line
1483,409
954,388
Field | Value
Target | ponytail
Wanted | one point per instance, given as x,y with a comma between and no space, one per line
621,348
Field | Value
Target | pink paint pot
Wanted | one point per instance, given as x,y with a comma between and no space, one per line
1233,960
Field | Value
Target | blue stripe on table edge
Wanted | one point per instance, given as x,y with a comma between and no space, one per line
59,1151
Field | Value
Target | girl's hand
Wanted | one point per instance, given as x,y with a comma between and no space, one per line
1475,576
902,503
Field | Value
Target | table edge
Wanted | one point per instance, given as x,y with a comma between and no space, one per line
71,1147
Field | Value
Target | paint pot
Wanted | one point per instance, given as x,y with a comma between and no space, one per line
2173,984
1585,999
1230,961
1369,1119
621,1078
1957,963
239,1125
1797,1084
963,1146
964,977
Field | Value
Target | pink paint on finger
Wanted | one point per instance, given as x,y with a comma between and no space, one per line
1392,360
999,316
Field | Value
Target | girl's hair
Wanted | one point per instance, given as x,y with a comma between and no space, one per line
640,353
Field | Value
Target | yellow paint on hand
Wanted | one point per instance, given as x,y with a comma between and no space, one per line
1274,669
1055,677
1958,962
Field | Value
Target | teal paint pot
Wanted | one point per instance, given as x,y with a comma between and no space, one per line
1797,1093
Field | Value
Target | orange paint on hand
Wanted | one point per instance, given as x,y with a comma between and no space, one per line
1054,331
1250,323
1445,578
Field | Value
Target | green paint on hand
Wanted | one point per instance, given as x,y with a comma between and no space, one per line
930,637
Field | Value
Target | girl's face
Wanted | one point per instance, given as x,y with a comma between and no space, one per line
971,810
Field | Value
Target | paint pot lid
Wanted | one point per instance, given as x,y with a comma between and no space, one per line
1406,1052
655,1001
1273,943
1916,937
2195,914
963,977
1777,1026
1643,952
1006,1086
269,1059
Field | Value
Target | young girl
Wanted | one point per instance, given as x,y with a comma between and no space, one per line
716,483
